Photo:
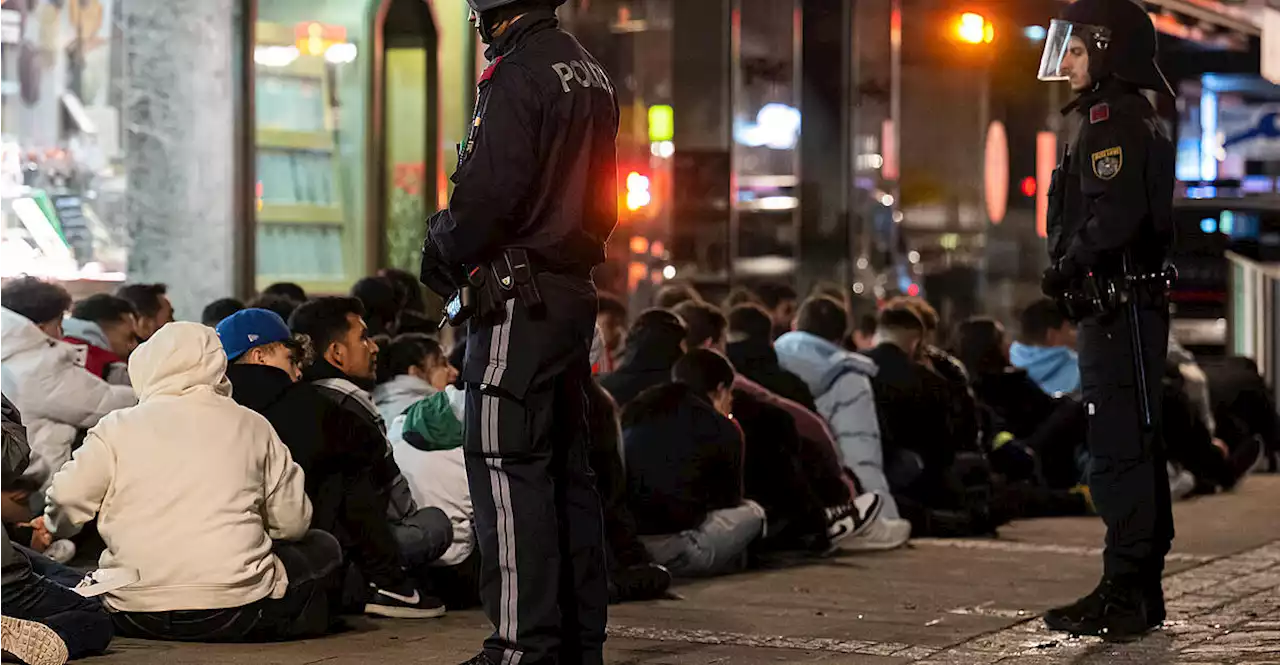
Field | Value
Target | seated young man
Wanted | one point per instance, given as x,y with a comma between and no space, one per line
783,470
654,344
950,493
750,349
197,494
56,395
412,367
154,308
841,384
685,470
334,449
105,326
1046,349
426,440
344,371
45,620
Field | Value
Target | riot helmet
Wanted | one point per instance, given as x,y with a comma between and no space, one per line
485,14
1117,35
479,6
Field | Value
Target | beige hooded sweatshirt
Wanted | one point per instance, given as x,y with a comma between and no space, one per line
189,487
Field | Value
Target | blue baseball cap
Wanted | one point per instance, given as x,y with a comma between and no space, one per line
251,328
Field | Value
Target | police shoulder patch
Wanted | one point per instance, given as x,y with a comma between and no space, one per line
1099,112
488,71
1107,163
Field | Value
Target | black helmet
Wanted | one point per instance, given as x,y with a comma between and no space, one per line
1119,36
478,6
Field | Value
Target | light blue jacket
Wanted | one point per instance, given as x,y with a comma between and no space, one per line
1056,369
841,385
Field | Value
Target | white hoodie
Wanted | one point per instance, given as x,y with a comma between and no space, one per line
55,393
189,487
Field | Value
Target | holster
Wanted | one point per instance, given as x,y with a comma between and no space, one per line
1104,296
516,277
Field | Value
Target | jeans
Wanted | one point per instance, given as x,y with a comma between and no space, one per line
423,536
716,547
303,612
41,594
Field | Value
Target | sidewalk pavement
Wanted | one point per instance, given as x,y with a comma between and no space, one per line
937,602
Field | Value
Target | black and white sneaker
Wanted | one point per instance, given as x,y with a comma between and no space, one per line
852,518
32,643
404,603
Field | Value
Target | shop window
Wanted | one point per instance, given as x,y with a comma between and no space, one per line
310,104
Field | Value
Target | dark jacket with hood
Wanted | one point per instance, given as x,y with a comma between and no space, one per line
338,454
651,353
16,566
352,396
683,459
757,360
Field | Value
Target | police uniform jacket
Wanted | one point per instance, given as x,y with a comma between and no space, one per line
1114,189
538,167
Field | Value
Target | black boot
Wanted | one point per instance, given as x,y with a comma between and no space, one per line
1153,595
1113,611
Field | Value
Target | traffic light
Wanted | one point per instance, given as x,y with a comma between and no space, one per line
638,195
973,28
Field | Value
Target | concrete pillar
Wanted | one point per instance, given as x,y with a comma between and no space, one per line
179,95
826,222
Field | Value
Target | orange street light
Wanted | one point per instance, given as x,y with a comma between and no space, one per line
974,28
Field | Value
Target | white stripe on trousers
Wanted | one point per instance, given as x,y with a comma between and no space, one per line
500,486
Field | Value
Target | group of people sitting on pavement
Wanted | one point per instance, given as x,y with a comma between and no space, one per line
258,475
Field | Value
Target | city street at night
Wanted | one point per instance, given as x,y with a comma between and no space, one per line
939,602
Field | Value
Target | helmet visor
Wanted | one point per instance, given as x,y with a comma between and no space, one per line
1069,43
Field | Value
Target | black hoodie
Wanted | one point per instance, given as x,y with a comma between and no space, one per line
683,459
338,456
757,360
651,353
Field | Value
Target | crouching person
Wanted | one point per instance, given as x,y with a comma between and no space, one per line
198,495
44,621
684,462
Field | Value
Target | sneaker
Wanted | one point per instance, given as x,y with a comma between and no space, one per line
105,580
61,551
852,518
1112,611
880,535
32,643
1181,483
479,659
642,582
407,603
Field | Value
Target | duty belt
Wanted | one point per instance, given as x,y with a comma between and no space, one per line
490,285
1102,296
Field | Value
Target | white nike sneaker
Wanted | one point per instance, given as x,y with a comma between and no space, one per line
405,603
105,580
61,551
881,535
853,518
32,643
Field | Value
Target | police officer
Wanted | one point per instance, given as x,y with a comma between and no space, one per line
535,200
1110,233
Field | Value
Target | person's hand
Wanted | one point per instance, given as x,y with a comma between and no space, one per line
433,273
41,539
1222,447
1056,280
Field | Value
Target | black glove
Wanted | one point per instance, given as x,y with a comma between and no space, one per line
435,274
1056,279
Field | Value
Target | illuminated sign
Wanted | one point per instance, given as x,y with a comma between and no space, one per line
315,38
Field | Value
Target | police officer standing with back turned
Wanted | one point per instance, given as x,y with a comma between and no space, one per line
535,200
1110,231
